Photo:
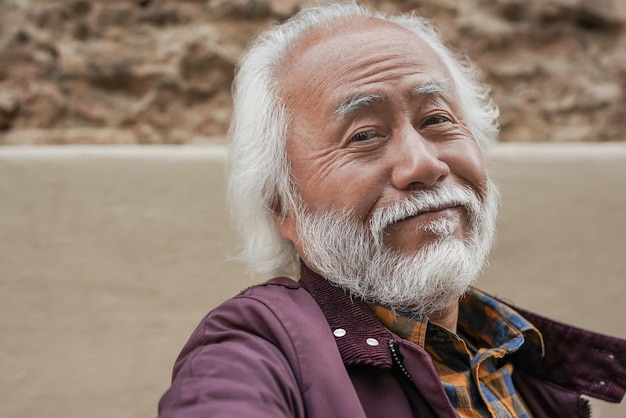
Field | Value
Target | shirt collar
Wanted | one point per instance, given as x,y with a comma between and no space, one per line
491,323
487,322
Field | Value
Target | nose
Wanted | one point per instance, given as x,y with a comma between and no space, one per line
417,162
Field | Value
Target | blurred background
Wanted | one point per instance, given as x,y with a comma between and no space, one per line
111,251
159,71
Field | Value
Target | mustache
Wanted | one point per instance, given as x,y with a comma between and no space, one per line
426,200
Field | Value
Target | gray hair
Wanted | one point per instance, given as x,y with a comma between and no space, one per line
260,179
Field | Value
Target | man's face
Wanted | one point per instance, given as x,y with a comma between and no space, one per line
374,118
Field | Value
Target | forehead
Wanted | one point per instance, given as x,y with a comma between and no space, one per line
353,54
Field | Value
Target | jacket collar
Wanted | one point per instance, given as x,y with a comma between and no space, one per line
360,337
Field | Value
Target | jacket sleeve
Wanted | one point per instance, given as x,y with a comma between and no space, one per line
235,364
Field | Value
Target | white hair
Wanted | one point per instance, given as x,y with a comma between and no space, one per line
260,180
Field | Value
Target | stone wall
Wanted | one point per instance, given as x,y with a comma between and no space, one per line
158,71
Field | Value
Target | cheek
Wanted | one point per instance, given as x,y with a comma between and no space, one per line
351,186
467,162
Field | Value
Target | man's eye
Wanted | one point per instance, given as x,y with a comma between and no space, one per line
436,120
363,136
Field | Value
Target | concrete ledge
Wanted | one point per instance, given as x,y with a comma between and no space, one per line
110,255
506,150
170,152
559,151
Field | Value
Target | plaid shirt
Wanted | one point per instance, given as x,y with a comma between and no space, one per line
472,365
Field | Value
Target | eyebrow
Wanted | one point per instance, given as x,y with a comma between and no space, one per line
430,88
352,104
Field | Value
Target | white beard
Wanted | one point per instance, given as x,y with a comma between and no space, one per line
354,258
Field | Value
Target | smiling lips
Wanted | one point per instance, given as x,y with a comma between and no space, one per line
427,215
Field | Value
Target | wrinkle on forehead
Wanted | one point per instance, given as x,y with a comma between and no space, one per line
320,33
320,39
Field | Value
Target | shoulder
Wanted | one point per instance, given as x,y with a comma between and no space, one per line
258,305
276,288
279,299
274,312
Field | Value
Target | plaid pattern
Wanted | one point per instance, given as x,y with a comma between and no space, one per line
472,365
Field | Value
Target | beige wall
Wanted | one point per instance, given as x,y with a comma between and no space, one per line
110,256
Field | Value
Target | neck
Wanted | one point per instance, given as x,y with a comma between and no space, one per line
447,318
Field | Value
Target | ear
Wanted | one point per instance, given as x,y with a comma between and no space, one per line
285,221
287,227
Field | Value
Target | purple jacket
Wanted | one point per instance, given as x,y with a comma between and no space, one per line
273,352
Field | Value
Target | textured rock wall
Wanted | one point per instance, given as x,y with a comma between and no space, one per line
158,71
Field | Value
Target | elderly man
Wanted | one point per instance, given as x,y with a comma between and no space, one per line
358,159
